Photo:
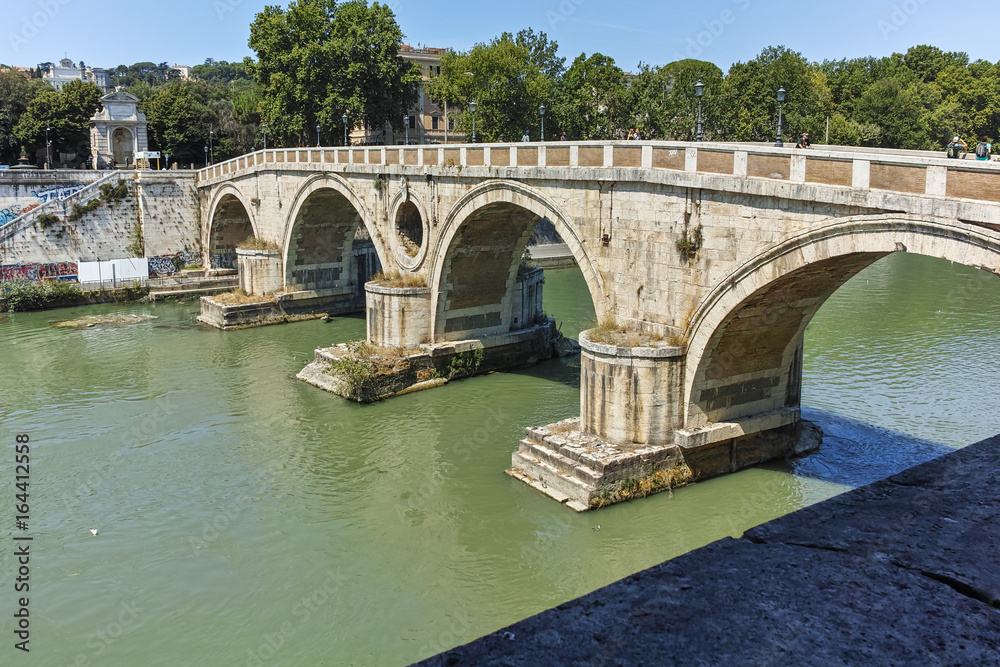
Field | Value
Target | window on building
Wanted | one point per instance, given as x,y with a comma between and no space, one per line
434,122
451,123
438,70
413,122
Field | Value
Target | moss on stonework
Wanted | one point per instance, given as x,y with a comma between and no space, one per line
640,487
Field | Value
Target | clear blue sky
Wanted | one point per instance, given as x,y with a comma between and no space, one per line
113,32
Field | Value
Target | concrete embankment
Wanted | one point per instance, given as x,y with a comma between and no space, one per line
903,571
552,256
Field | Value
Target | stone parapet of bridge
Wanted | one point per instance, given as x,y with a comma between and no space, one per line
909,174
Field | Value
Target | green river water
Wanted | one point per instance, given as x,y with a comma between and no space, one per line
246,518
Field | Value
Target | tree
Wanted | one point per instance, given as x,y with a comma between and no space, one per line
186,116
503,78
543,53
219,71
66,113
664,104
750,106
318,60
589,99
16,93
151,73
902,109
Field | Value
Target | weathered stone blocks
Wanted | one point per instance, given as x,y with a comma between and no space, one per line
630,394
398,317
260,271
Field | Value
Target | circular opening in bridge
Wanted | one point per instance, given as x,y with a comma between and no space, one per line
410,229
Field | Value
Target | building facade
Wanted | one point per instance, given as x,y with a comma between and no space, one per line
119,131
427,122
58,75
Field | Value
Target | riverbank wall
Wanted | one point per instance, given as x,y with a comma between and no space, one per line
80,217
902,571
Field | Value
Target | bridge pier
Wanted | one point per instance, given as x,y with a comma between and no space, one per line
401,355
260,271
629,441
630,394
398,317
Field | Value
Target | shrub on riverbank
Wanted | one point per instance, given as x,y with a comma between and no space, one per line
25,295
21,295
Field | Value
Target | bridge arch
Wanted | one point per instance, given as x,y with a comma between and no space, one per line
323,223
231,221
744,351
477,252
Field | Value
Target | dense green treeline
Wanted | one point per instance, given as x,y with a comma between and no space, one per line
916,100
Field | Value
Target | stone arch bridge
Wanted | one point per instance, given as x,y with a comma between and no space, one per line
714,256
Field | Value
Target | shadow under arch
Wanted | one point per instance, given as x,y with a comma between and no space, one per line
324,221
744,351
231,222
493,222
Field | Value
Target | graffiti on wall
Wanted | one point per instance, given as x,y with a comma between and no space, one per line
43,196
33,272
163,266
224,260
8,214
60,192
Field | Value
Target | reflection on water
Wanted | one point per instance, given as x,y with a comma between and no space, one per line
251,517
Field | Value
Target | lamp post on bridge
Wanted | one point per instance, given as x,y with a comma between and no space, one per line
406,130
317,135
541,113
48,148
263,127
781,100
699,90
211,144
206,157
345,119
472,108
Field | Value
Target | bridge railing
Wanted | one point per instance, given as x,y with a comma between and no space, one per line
912,173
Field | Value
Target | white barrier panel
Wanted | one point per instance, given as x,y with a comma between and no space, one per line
115,270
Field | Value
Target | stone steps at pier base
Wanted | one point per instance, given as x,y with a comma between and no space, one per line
586,473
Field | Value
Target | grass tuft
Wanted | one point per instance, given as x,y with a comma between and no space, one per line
395,278
253,243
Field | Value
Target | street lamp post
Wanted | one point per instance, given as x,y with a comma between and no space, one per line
472,108
345,119
211,144
263,127
541,113
406,130
166,159
317,135
699,90
48,148
781,100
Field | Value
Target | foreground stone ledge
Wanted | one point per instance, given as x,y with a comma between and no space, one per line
903,571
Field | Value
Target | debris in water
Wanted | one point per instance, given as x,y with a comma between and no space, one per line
91,321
